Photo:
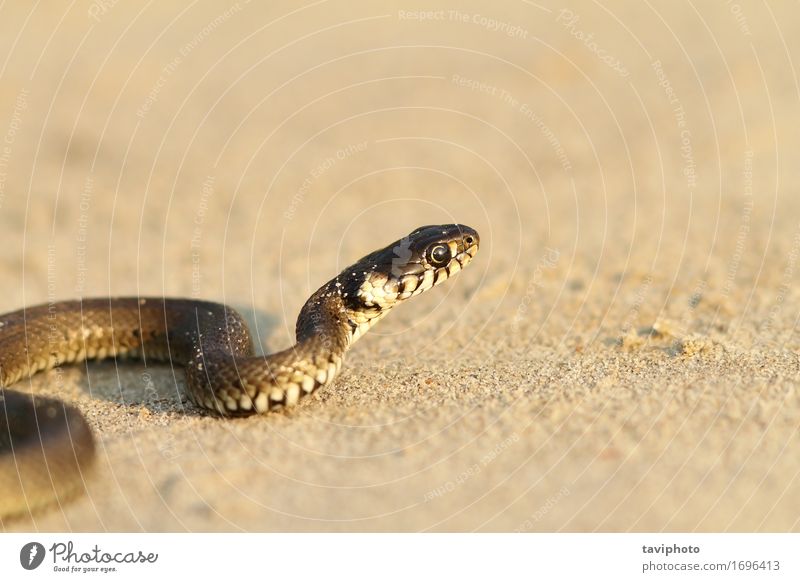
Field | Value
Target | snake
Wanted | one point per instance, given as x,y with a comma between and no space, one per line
46,445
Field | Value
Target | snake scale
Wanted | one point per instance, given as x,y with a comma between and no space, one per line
46,446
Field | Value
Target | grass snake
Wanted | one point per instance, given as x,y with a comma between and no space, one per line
46,446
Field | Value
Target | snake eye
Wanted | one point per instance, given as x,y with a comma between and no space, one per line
438,255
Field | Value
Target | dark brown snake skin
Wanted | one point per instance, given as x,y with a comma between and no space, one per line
46,446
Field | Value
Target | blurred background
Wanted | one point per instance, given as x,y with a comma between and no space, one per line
623,354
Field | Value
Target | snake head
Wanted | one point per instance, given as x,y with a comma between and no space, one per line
410,266
365,292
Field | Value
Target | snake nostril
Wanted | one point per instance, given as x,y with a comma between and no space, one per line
469,240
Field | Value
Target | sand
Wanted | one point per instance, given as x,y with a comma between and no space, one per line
623,353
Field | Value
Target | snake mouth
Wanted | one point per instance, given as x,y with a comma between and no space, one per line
462,259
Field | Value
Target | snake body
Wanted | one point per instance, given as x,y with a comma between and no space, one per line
46,445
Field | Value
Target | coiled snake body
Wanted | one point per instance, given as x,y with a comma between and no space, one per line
46,445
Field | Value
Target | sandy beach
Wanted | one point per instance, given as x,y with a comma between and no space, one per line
623,353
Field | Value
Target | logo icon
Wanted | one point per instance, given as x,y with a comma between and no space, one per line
402,254
31,555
